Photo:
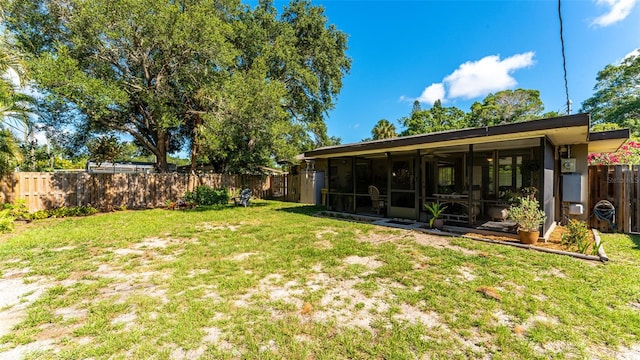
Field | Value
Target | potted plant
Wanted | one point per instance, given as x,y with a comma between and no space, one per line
527,214
435,209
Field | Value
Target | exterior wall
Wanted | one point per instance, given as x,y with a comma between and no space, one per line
548,191
580,152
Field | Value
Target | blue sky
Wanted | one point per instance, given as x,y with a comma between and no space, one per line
460,51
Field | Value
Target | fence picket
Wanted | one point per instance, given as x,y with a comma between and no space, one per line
107,191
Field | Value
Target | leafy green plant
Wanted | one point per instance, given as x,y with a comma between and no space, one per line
435,209
18,210
578,238
64,211
6,221
527,214
205,195
40,214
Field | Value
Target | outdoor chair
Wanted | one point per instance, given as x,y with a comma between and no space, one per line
377,203
243,198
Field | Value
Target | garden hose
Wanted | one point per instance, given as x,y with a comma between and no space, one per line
605,211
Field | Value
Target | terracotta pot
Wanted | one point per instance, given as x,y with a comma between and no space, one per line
438,224
528,237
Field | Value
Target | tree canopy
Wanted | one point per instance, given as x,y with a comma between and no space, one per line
383,130
436,118
507,106
241,85
503,107
617,95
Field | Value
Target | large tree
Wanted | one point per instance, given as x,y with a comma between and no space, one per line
507,106
292,67
436,118
617,95
166,72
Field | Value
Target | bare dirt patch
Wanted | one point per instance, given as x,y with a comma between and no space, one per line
632,353
323,245
243,256
15,297
379,238
320,234
440,242
218,227
466,274
414,315
368,261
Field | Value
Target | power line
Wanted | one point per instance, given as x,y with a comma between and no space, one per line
564,62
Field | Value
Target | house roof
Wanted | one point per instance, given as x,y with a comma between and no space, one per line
564,130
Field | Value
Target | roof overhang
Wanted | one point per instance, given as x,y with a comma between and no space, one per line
573,129
565,130
607,141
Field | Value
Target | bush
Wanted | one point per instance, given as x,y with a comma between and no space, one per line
205,195
73,211
18,210
577,238
6,221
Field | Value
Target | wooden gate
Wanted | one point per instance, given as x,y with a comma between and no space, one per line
620,185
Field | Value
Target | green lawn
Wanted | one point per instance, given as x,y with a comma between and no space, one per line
274,282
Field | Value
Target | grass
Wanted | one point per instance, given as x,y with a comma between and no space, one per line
274,282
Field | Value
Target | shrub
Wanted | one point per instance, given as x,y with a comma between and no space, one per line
205,195
18,210
64,211
527,214
577,238
6,221
40,214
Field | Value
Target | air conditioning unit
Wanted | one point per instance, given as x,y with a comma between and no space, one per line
568,165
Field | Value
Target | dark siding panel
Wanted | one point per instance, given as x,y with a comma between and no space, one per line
548,193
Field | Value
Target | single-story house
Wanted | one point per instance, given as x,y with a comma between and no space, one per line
474,172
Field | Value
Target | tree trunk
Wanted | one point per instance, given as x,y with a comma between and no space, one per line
161,155
194,144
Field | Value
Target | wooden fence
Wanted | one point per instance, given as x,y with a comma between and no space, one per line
108,191
620,185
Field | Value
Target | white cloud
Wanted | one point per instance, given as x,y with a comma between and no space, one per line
432,93
476,78
618,10
489,74
634,53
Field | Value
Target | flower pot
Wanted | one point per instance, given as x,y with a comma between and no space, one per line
528,237
438,224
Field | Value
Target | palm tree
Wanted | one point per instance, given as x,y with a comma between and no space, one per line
14,105
383,130
9,152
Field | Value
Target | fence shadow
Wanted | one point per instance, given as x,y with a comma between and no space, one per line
202,208
636,241
309,210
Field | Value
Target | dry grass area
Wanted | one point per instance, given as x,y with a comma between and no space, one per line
273,282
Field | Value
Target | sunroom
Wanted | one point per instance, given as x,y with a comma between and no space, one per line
475,173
